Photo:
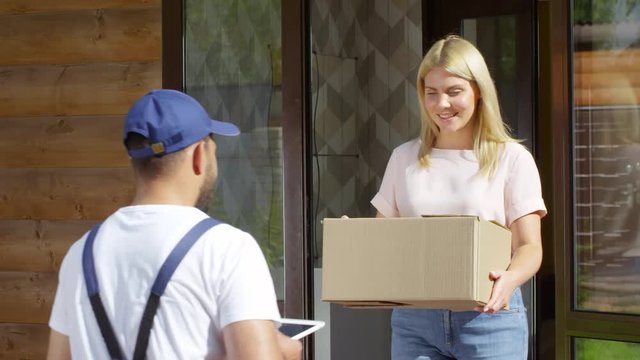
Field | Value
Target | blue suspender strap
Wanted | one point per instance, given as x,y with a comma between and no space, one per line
178,252
160,284
164,275
91,281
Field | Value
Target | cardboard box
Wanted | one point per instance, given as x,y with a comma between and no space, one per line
434,262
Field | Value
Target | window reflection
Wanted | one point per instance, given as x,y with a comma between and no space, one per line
233,67
606,149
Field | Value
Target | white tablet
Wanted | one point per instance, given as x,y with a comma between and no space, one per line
299,328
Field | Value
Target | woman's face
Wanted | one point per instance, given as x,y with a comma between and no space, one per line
450,101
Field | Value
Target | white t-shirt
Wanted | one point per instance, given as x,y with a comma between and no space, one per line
224,278
451,185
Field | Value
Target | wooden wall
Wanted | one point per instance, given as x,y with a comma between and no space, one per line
69,70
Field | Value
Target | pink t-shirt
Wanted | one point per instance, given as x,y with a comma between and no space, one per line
451,185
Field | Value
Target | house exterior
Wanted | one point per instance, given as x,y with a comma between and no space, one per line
323,90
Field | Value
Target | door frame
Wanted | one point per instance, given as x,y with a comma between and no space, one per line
295,80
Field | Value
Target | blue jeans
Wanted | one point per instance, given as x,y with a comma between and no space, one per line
434,334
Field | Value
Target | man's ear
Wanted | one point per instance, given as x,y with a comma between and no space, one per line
198,158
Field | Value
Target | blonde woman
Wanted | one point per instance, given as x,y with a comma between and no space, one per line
465,162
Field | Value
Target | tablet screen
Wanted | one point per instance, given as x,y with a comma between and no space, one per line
299,328
292,330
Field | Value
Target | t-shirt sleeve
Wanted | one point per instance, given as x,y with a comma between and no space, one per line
59,319
385,200
523,191
246,290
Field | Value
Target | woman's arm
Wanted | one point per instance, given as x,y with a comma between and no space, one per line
526,245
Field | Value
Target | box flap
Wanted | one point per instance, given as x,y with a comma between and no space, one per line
465,216
450,216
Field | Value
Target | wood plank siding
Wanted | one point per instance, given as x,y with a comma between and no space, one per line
55,141
26,296
13,7
37,245
22,341
63,194
84,89
69,70
80,37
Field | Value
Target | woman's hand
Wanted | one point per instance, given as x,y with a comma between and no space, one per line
505,282
525,262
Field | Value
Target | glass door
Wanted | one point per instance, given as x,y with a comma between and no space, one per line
232,65
504,32
605,133
595,134
243,61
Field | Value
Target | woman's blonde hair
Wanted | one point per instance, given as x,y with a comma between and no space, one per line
460,58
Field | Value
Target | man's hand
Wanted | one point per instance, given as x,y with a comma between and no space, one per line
258,339
291,349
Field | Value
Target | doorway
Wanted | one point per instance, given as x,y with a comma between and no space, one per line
505,34
363,64
363,61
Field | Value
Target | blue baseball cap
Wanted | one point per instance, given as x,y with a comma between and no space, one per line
171,120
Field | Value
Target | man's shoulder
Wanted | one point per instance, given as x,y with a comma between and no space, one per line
72,261
228,235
